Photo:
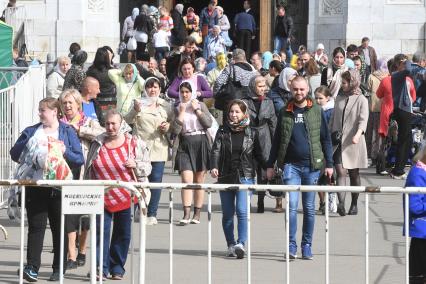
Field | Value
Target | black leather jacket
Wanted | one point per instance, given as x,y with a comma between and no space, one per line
221,154
287,23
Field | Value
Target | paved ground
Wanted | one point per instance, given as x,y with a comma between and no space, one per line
387,246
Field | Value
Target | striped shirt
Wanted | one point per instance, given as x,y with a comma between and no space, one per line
109,165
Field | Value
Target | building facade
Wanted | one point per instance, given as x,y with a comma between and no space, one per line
393,26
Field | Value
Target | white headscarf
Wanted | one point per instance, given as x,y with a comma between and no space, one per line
285,75
193,90
135,13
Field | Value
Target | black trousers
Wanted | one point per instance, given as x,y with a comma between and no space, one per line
140,48
244,41
403,119
417,258
43,203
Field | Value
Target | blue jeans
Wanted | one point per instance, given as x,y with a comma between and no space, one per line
280,43
235,202
300,175
115,252
156,176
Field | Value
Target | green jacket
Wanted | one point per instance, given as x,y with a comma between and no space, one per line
312,118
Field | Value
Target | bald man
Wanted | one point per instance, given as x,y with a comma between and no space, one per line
89,93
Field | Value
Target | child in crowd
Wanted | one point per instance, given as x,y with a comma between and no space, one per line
161,42
323,98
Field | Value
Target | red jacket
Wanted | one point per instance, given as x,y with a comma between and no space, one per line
384,92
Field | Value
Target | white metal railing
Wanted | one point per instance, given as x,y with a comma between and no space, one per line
211,188
18,109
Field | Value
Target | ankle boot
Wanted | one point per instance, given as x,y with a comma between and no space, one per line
278,206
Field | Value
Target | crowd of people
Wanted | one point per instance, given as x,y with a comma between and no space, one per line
194,94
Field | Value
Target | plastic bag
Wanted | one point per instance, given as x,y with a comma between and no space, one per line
132,44
56,166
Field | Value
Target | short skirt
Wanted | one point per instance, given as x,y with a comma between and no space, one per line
193,153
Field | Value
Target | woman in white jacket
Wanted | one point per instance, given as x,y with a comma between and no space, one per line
55,81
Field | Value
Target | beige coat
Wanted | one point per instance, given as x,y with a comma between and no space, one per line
146,126
373,84
354,156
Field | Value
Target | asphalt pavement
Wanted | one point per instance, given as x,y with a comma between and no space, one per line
347,245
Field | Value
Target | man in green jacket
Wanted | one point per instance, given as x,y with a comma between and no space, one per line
301,147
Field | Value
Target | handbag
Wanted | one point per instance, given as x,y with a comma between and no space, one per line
231,90
132,44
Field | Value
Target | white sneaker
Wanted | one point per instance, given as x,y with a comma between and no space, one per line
151,221
239,251
231,251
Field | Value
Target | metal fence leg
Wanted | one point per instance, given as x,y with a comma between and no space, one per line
101,247
132,244
209,238
93,249
21,260
248,238
287,236
61,253
366,239
327,240
407,239
142,245
171,235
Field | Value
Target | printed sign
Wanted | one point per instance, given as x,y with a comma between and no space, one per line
82,200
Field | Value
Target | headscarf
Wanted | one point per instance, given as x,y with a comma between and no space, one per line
135,72
354,83
382,64
193,90
242,124
221,60
147,100
58,70
77,120
285,75
179,8
135,13
266,59
348,62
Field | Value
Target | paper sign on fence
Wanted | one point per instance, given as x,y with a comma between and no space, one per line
82,200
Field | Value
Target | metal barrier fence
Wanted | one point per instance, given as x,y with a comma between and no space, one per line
211,188
18,109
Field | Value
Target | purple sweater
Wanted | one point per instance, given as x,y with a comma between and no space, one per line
202,86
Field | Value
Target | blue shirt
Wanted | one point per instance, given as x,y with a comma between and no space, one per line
89,110
244,21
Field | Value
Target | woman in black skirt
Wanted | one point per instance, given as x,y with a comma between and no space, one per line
192,157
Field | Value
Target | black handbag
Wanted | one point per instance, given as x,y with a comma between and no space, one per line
336,137
231,90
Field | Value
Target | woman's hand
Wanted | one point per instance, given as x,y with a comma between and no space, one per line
195,104
356,137
63,148
130,163
137,105
164,127
199,94
270,173
182,107
214,173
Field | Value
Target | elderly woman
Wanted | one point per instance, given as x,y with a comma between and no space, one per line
30,151
192,157
224,25
116,155
263,122
417,215
151,117
55,82
186,69
76,74
215,43
87,129
129,86
331,76
348,124
128,31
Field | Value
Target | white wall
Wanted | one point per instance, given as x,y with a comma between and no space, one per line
90,23
393,26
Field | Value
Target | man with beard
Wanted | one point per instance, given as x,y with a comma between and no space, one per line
301,147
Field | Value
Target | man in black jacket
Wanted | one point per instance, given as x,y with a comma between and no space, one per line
189,50
283,32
